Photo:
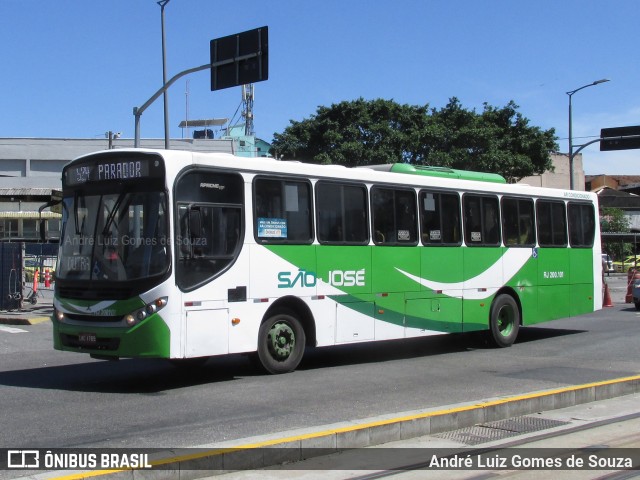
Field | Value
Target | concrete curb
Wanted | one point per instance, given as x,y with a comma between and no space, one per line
258,452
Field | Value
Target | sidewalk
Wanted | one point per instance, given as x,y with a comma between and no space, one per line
30,314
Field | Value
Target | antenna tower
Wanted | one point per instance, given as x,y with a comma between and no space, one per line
247,108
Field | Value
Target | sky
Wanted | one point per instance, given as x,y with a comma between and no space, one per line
76,68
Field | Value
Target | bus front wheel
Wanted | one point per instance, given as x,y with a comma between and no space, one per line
281,342
504,321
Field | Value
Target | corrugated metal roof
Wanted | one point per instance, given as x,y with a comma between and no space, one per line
29,215
25,191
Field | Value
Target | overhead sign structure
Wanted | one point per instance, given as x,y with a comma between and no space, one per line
619,138
240,59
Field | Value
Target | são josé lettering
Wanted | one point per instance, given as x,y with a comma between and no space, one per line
337,278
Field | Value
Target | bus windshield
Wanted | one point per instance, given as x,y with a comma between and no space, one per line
118,236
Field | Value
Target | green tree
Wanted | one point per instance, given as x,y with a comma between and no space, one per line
355,133
614,220
498,140
365,132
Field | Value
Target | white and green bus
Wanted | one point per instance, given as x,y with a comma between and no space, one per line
185,255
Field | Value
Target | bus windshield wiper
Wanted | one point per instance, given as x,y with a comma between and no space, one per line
112,213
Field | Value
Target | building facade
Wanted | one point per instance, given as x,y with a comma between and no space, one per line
559,177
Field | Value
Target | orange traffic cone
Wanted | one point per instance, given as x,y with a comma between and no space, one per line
606,302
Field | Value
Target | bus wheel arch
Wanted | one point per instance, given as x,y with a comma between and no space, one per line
505,318
286,329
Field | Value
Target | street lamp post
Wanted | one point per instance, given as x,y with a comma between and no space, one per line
570,127
162,4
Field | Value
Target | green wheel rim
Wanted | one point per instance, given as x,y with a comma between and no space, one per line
506,320
281,341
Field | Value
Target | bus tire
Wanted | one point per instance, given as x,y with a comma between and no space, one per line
281,342
504,321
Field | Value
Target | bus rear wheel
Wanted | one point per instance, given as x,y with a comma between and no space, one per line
281,342
504,321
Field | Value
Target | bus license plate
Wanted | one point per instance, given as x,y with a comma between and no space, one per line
87,338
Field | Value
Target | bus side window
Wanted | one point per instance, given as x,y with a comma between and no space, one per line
551,220
481,220
341,212
282,211
394,216
210,230
517,222
581,224
451,219
406,218
440,218
491,220
382,211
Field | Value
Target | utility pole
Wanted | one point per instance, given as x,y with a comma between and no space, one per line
571,153
162,4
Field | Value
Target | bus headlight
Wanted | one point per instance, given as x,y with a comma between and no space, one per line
59,315
140,314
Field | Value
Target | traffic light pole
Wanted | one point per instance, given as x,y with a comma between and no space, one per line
138,111
585,145
621,137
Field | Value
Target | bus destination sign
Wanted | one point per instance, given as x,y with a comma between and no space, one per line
111,170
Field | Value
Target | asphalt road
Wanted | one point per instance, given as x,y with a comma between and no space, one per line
55,399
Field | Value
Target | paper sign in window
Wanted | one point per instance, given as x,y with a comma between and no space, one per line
272,228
